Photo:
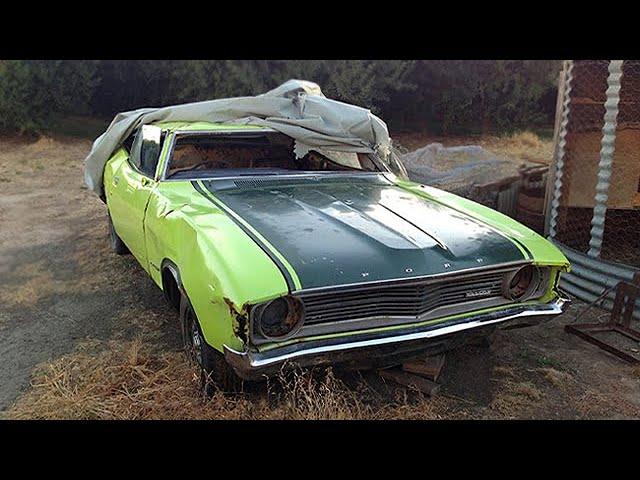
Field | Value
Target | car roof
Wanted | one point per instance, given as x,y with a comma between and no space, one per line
206,126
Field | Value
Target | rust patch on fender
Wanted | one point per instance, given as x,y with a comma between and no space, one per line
240,319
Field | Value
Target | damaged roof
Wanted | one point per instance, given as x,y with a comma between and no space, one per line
296,108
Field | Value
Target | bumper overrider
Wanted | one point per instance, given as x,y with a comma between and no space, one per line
367,350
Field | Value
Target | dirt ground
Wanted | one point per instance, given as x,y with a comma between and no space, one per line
85,333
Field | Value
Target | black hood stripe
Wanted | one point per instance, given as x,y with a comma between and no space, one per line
283,269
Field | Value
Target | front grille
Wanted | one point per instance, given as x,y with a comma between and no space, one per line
406,299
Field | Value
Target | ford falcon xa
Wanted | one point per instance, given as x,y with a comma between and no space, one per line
282,244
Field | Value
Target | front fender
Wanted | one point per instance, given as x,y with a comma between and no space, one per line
222,270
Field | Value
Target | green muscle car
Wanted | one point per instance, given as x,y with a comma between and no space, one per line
328,258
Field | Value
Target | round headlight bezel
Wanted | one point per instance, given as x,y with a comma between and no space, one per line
292,322
522,284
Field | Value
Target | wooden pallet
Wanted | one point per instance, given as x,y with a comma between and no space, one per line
420,373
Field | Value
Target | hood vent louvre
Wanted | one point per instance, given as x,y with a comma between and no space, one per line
262,183
305,180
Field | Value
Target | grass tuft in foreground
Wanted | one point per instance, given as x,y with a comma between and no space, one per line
133,380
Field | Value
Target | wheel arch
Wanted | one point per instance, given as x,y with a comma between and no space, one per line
171,282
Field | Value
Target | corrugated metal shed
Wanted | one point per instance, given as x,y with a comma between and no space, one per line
593,197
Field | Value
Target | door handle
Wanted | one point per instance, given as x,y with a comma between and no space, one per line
116,179
145,182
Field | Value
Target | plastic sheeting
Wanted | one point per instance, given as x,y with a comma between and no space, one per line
296,108
458,169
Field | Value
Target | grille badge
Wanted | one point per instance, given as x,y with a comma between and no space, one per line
478,293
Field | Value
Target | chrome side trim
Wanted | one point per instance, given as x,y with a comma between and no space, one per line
249,363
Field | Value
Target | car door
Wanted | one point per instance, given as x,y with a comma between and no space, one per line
132,185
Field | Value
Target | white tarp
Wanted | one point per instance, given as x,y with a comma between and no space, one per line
459,169
296,108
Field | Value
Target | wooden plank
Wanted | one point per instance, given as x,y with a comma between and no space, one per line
428,367
530,203
424,385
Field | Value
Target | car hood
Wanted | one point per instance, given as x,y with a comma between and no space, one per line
340,229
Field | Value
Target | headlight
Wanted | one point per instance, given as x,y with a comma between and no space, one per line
279,317
522,283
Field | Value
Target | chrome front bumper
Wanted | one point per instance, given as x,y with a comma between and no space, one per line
388,348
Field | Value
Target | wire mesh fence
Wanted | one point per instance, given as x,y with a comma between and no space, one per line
582,153
584,134
621,240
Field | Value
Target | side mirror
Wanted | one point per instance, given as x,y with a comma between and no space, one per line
151,134
150,148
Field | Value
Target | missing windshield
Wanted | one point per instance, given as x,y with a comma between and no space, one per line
196,156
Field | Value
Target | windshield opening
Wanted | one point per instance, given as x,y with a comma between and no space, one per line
197,156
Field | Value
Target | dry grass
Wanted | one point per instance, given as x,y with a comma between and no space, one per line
524,145
37,282
592,404
308,397
555,377
504,371
515,399
44,151
126,381
132,380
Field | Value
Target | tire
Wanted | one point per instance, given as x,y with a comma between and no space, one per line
116,243
170,289
215,372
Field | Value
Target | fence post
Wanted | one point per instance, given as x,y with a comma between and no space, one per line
606,157
559,151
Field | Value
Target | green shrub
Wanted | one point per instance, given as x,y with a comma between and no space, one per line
442,96
480,96
31,91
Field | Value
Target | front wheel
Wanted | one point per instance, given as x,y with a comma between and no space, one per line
214,370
